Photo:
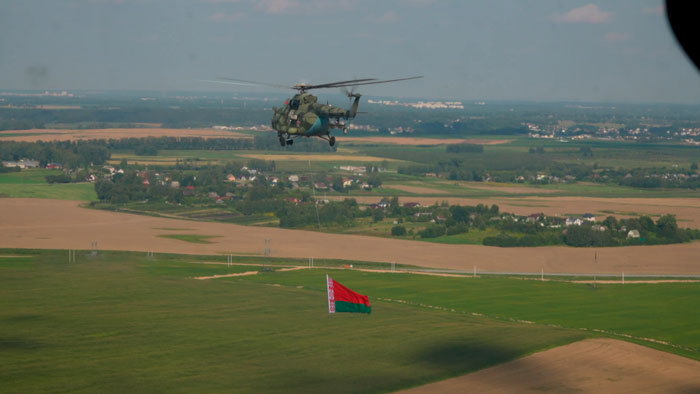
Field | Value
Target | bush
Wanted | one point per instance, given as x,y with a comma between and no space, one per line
459,228
60,178
433,231
398,231
502,240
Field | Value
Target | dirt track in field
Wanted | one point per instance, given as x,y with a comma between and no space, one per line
34,135
687,210
589,366
58,224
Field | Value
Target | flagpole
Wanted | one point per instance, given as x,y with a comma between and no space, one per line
328,289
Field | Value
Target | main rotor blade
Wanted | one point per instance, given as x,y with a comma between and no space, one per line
376,82
355,82
340,83
243,82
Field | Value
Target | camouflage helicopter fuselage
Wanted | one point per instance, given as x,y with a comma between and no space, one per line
302,115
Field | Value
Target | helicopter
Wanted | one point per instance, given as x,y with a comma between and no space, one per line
304,116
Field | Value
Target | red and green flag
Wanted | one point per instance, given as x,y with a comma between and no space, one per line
342,299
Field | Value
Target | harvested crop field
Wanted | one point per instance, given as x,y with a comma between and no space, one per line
34,135
589,366
687,210
422,141
58,224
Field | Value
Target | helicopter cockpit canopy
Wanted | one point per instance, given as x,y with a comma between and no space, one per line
302,99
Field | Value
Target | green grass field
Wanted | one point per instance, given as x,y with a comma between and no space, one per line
664,312
120,322
32,183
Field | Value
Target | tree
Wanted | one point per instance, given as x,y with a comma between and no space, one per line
394,206
647,223
667,227
374,180
611,223
377,215
459,213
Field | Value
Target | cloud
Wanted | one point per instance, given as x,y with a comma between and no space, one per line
277,6
387,17
419,3
295,7
589,13
224,17
658,10
615,37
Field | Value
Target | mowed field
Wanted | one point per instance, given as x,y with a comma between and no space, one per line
33,135
122,321
45,223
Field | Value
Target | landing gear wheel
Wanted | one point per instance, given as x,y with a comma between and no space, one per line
331,141
283,142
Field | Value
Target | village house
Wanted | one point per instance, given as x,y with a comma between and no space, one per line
23,163
572,221
384,203
535,217
357,170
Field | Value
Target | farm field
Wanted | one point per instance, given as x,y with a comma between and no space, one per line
32,184
592,365
51,224
130,322
149,327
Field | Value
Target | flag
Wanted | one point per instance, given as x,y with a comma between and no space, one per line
342,299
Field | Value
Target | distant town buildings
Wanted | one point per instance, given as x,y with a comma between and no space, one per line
420,104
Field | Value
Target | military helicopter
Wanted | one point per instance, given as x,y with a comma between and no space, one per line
303,116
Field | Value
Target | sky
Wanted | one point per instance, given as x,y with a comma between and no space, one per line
532,50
